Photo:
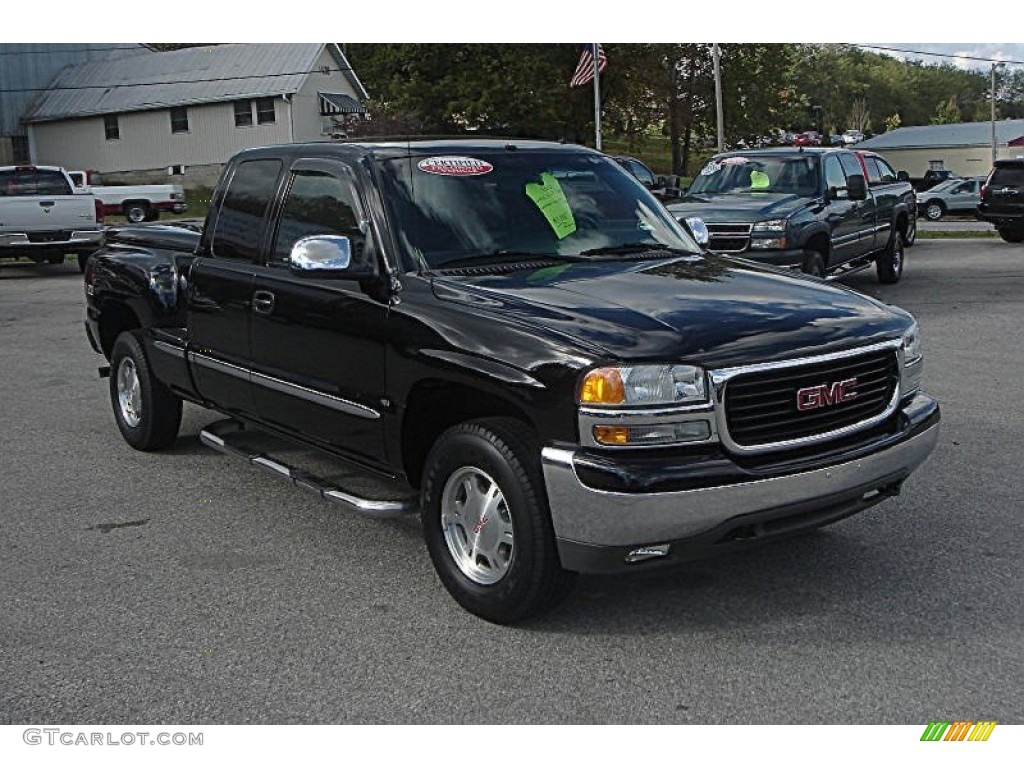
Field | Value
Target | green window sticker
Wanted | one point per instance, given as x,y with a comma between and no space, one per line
550,198
759,180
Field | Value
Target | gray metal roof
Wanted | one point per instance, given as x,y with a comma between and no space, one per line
187,76
26,69
952,135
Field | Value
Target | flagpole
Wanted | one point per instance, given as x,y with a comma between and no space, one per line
597,99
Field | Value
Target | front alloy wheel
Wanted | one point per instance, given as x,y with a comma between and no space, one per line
477,525
129,393
486,521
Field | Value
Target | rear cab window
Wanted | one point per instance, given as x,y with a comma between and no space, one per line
242,219
23,182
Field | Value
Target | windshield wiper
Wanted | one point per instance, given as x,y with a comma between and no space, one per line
500,256
637,249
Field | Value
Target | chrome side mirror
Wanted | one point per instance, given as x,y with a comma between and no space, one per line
326,256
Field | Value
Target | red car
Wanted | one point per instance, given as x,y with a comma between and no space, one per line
807,139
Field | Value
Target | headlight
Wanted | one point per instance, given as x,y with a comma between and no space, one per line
913,365
912,345
774,225
644,385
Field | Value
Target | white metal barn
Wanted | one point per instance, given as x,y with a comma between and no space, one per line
964,148
161,112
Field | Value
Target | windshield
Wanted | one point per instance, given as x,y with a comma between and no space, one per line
792,175
508,205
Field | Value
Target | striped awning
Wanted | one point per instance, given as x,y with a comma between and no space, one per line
343,103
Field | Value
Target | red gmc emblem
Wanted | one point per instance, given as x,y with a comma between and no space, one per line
809,398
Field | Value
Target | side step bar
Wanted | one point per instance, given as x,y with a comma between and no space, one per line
851,268
218,436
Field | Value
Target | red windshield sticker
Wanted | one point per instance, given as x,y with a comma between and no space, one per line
453,165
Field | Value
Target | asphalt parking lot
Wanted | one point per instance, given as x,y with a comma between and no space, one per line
187,587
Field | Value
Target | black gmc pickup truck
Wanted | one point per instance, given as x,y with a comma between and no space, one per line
523,345
823,211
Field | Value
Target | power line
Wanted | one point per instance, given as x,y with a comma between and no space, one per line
941,55
318,70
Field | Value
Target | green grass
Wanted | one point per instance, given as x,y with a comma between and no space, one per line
654,151
955,234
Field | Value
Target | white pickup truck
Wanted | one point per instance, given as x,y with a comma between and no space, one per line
43,219
137,203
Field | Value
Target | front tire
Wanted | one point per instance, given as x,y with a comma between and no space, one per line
486,521
813,264
147,413
1012,235
911,237
889,264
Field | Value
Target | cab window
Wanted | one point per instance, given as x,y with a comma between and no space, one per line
317,204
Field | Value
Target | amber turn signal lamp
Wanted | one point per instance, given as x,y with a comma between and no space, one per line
611,435
603,386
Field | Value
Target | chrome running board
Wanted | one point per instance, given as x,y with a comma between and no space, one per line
224,436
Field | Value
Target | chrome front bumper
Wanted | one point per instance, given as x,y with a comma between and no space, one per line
586,517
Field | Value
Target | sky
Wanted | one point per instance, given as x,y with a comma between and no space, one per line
1013,53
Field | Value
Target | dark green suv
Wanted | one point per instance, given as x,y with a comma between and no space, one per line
1002,199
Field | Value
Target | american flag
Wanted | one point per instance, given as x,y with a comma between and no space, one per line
585,69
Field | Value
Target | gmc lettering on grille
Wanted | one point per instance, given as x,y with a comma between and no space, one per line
810,398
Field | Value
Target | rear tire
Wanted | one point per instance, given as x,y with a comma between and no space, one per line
889,264
83,259
486,521
147,413
1012,235
136,213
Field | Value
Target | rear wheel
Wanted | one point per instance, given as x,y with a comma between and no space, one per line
1012,235
889,264
934,210
147,413
486,521
136,212
83,259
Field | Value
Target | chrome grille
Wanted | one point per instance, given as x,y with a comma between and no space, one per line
729,238
761,407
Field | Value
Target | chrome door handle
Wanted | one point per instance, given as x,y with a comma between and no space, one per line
263,302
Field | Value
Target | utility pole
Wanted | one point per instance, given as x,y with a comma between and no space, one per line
992,100
597,97
716,57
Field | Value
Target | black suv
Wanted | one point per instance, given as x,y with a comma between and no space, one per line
1002,199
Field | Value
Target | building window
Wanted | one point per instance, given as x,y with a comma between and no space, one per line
179,120
19,147
110,127
243,113
265,111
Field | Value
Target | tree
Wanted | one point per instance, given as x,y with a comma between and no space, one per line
947,112
859,118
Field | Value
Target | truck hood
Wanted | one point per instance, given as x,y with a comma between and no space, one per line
739,208
709,310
